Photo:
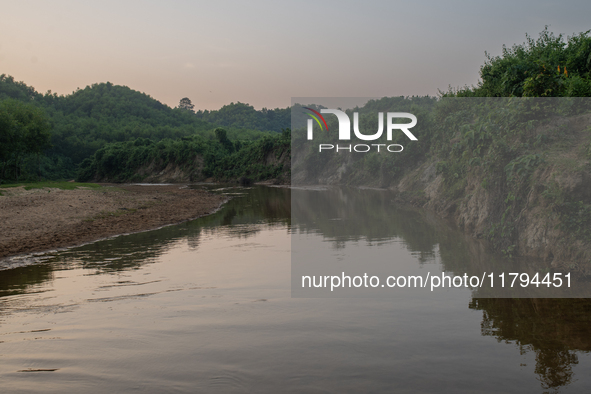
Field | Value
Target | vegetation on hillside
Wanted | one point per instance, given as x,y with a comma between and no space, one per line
240,115
89,118
550,66
508,145
109,132
24,133
522,149
200,158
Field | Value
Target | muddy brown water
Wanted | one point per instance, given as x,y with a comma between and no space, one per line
206,306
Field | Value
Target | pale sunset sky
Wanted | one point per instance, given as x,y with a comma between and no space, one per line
265,52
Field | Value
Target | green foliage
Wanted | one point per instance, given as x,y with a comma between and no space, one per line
523,166
240,115
577,86
120,161
575,215
89,118
259,160
24,132
186,104
576,219
222,137
544,82
9,88
127,161
85,120
547,67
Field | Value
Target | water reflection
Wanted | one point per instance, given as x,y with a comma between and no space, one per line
242,216
348,216
558,332
555,329
341,215
20,279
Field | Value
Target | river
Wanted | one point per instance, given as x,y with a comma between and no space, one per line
206,306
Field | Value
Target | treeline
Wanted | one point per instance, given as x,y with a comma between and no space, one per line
24,133
502,156
519,153
242,115
89,118
196,158
550,66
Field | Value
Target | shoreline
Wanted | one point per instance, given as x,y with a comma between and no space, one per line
40,220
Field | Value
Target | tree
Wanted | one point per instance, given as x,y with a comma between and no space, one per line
547,67
222,137
185,103
24,130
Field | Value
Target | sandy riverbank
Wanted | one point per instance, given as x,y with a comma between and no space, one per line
44,219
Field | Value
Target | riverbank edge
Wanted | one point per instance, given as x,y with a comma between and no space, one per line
539,233
122,209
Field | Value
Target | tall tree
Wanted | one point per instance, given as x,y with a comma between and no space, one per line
185,103
24,130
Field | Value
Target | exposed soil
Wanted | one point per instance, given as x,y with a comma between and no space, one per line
44,219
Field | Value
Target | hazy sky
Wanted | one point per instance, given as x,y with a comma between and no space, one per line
265,52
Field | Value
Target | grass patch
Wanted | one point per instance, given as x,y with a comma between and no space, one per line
52,184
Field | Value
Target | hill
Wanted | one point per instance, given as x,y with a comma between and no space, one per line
103,113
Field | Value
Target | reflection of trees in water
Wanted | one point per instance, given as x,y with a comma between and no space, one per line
350,214
342,215
243,216
21,280
18,280
119,253
555,367
194,239
228,216
258,205
555,329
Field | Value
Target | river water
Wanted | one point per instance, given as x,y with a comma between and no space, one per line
206,306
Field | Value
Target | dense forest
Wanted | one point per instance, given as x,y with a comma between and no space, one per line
105,131
505,169
24,133
241,115
191,159
91,118
550,66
